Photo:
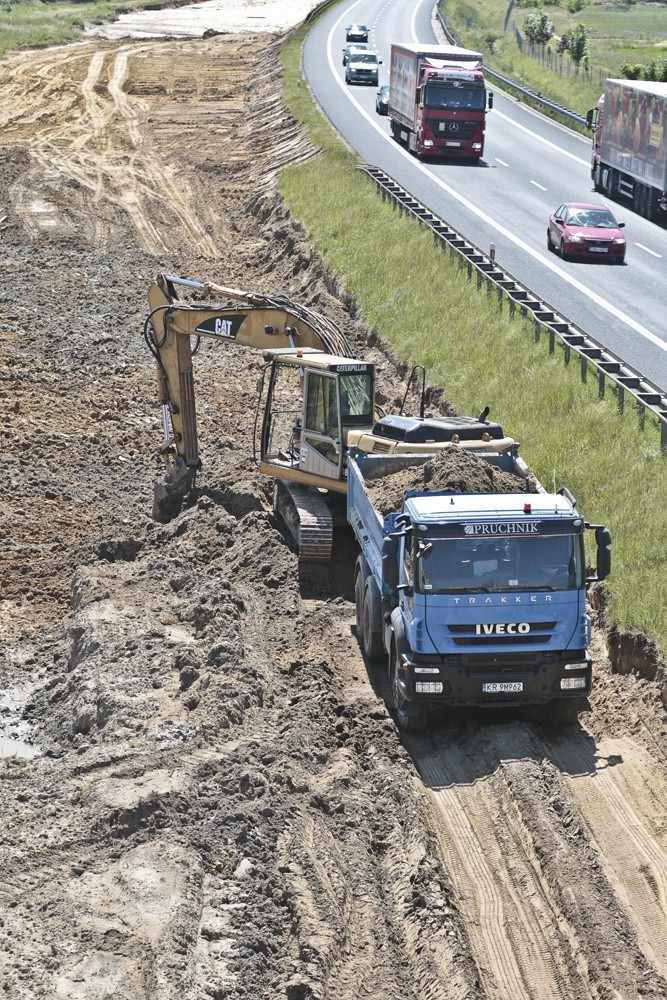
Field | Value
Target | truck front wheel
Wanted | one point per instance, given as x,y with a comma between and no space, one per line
412,715
565,711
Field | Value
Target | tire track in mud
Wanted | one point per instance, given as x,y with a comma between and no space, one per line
558,862
622,802
96,141
515,927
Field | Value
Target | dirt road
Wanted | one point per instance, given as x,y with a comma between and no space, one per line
202,789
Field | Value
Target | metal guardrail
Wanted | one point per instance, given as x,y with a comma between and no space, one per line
541,102
608,366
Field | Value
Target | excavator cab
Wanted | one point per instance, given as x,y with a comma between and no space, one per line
313,402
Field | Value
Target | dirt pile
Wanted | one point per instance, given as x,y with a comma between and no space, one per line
452,470
203,792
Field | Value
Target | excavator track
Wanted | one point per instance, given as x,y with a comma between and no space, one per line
305,513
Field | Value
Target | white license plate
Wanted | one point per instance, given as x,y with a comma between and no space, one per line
452,144
599,249
503,687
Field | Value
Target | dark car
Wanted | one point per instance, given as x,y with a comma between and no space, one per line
581,230
356,33
382,100
351,49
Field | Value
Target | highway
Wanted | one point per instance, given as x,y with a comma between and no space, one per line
530,166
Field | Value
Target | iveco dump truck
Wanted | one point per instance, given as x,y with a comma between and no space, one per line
473,599
629,157
438,100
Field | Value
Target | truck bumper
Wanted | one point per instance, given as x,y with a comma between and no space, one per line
468,685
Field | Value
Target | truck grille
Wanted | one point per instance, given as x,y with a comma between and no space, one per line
452,129
466,635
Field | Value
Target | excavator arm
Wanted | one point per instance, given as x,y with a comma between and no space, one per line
257,320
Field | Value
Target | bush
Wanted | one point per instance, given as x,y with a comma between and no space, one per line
575,6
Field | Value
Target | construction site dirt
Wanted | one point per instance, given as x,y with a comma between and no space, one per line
203,790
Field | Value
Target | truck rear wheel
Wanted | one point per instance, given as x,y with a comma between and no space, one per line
372,621
412,715
361,575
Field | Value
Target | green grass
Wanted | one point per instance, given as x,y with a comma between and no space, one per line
427,312
618,34
32,23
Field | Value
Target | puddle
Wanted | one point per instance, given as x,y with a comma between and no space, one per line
17,748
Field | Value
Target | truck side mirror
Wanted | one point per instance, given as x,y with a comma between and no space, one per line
390,563
603,541
591,118
603,563
490,99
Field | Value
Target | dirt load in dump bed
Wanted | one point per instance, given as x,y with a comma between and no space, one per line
449,471
203,792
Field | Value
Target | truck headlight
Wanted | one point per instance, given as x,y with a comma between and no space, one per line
428,142
476,145
572,683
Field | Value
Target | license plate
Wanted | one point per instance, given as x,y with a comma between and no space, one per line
452,144
503,687
599,249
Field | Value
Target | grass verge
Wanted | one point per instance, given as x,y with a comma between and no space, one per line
618,33
30,23
426,311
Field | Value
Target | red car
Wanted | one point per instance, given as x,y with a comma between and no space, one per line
586,231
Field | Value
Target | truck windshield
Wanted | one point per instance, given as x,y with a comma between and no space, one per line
448,94
474,565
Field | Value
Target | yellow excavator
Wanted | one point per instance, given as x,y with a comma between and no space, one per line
320,402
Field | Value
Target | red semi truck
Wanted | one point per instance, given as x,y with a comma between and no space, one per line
438,100
630,145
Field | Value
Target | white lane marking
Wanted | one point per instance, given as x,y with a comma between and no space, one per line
501,162
546,142
453,193
652,252
538,185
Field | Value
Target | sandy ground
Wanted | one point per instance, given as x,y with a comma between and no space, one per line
202,788
224,16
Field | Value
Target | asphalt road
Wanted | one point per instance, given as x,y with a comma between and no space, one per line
530,166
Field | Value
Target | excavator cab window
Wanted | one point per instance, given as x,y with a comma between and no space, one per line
322,404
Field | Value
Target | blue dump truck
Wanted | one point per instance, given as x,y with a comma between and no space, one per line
473,598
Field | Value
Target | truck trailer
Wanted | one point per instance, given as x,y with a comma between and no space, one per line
438,100
629,155
473,599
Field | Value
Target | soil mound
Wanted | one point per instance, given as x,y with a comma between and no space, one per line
452,470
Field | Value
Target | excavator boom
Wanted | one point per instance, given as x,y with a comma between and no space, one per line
172,331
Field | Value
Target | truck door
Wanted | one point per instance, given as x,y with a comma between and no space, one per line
321,450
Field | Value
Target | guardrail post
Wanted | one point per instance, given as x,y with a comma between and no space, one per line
663,436
621,398
601,383
566,353
500,298
512,308
469,270
584,368
552,341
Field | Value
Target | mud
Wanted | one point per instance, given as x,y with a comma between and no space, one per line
203,791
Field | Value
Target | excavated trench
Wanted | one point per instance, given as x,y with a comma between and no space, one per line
220,804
